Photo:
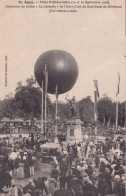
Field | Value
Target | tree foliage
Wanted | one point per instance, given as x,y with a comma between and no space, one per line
122,114
86,110
64,111
8,107
27,101
106,110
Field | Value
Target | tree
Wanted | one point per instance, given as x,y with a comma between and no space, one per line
26,103
86,110
8,108
28,100
121,114
106,110
63,111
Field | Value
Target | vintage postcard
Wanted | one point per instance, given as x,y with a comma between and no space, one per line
62,97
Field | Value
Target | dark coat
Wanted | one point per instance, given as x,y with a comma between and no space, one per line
63,192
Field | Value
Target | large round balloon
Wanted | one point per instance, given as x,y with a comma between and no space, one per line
62,70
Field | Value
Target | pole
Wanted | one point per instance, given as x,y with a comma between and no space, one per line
117,110
45,95
45,113
95,114
125,95
56,114
42,111
10,129
125,115
83,145
117,104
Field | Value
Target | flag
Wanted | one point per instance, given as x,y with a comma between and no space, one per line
96,86
95,105
117,93
95,96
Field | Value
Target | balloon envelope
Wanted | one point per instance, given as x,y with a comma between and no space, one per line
62,70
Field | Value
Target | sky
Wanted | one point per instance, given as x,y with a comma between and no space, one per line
95,38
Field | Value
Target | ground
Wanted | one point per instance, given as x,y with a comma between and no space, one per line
44,172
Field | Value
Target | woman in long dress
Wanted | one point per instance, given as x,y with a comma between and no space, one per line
26,168
38,161
51,185
20,171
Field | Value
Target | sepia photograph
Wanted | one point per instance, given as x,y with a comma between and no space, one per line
62,98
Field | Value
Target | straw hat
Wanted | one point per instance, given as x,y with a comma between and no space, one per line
116,177
123,177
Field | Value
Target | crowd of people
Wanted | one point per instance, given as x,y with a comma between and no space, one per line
94,169
87,168
19,159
